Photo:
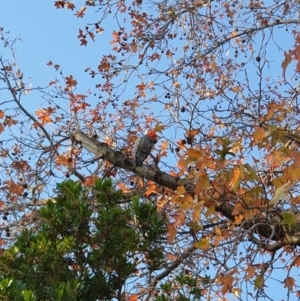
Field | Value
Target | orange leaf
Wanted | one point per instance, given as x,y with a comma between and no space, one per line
195,154
151,188
289,282
227,281
236,89
172,257
132,298
250,272
70,81
238,208
294,174
192,133
171,233
21,165
179,219
13,187
81,12
180,190
296,156
286,62
238,219
90,180
259,134
63,160
197,211
1,114
202,184
235,180
164,148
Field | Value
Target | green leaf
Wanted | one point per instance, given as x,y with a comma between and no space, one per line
289,219
258,282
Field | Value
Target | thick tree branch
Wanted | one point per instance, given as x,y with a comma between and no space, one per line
118,159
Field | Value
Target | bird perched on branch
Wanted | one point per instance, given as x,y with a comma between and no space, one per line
143,146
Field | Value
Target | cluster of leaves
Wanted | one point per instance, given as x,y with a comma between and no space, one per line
87,246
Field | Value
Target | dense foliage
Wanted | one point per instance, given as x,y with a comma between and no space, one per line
89,242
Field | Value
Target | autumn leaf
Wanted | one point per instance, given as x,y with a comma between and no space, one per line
180,190
259,134
250,272
70,81
44,116
238,219
151,188
289,282
236,89
280,194
132,298
70,5
238,208
83,42
13,187
202,184
172,257
202,244
64,160
226,281
171,233
81,12
259,282
289,219
159,127
197,209
9,121
296,156
235,180
287,59
192,133
21,165
91,180
59,4
92,36
294,174
164,148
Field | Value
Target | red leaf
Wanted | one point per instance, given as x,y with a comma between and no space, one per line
83,42
81,12
92,36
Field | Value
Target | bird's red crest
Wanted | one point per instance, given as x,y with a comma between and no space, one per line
151,134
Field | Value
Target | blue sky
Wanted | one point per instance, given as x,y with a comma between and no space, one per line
49,34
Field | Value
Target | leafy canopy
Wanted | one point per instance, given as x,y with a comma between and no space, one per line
88,243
